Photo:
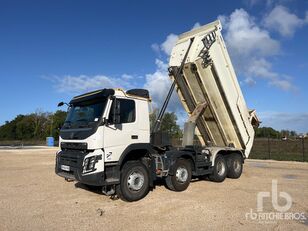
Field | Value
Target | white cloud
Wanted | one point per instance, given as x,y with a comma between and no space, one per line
159,83
127,77
156,48
166,46
251,48
196,25
260,67
250,81
285,120
169,43
284,22
251,3
282,84
267,3
247,37
77,84
84,83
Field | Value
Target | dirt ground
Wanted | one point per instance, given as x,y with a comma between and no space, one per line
33,197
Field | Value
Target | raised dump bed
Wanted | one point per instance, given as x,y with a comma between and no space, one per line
208,76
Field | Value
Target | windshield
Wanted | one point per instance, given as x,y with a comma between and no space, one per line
84,114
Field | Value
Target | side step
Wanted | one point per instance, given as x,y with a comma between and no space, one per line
203,168
110,181
201,164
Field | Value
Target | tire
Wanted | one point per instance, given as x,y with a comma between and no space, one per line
219,170
180,180
235,166
134,182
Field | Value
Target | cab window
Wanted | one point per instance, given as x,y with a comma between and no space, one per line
127,111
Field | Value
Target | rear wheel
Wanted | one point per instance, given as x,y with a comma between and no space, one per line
235,166
219,170
134,182
180,180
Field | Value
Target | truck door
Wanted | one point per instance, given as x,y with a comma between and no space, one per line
122,131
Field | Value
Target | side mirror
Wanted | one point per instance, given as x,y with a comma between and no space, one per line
60,104
116,112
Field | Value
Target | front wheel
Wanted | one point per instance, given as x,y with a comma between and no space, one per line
134,182
180,180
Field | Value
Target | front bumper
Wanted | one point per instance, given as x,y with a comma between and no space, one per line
74,159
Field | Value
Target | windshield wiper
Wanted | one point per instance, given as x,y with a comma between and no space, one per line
84,123
83,126
69,123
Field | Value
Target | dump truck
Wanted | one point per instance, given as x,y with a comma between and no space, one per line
106,139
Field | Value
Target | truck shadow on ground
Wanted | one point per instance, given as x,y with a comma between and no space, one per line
157,183
90,188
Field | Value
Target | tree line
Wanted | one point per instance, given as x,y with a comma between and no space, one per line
39,125
34,126
268,132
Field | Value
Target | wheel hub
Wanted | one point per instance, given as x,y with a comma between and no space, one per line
221,168
181,175
236,166
135,181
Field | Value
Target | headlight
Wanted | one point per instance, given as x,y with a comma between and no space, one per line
89,163
206,152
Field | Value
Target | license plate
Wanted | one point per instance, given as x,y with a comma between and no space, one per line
65,168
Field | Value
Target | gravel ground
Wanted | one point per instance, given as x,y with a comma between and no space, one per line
32,197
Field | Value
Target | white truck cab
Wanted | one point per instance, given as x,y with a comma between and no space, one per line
100,127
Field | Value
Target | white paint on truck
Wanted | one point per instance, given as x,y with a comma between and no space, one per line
105,140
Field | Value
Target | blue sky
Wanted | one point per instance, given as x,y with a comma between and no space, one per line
52,50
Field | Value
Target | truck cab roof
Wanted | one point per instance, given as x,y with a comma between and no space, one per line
106,92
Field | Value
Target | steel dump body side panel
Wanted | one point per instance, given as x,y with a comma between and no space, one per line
226,120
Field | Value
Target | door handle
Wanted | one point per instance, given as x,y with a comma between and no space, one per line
134,137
